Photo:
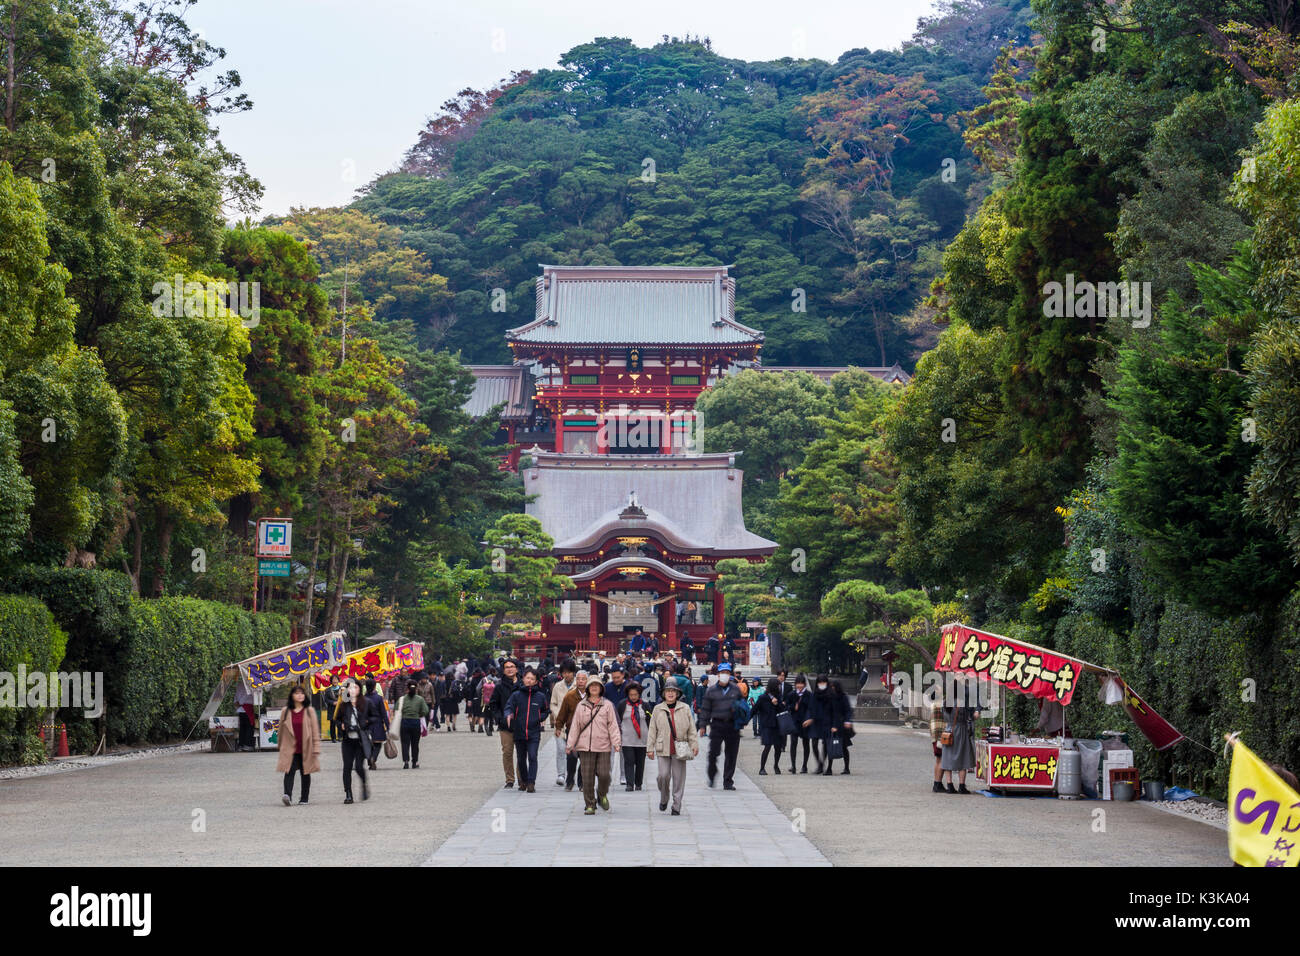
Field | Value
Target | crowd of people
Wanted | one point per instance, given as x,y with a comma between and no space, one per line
608,716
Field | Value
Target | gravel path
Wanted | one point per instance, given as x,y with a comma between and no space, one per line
138,812
884,814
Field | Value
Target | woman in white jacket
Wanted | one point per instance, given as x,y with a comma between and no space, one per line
672,723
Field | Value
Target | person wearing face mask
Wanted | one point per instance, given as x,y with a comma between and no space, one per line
821,717
671,727
353,716
718,719
799,703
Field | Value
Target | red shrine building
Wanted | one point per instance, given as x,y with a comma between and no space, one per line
600,401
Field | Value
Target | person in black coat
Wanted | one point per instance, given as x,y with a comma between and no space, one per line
766,709
830,717
688,649
799,703
378,722
353,719
711,649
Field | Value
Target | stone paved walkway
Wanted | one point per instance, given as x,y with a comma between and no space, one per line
548,828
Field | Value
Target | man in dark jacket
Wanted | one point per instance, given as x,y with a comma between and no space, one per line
711,649
506,686
526,710
717,715
688,649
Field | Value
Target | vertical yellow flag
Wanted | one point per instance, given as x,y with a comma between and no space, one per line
1263,813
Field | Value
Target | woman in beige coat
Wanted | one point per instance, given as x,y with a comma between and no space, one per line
299,743
594,736
671,723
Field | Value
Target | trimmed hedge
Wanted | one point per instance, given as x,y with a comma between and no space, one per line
28,637
175,653
1191,668
160,658
94,607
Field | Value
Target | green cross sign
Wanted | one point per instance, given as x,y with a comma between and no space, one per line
274,536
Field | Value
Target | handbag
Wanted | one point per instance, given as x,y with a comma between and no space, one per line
837,747
785,725
424,726
945,738
681,748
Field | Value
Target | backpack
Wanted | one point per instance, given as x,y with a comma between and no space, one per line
486,688
742,711
457,690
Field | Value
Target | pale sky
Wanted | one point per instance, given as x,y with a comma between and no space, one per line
342,87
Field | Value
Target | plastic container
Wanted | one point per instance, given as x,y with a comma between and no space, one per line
1153,790
1068,781
1123,791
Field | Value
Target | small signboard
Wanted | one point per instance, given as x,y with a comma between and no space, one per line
273,569
274,538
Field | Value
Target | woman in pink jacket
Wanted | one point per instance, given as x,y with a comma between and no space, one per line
594,736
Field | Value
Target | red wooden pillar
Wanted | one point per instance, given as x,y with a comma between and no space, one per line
670,631
719,626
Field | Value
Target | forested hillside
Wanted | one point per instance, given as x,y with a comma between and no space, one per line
842,180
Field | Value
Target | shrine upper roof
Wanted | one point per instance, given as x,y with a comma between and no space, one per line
635,305
691,501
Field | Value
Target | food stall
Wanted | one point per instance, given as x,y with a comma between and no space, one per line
1009,763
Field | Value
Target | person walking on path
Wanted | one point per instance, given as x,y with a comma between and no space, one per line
484,691
451,700
672,731
800,705
563,719
378,722
353,716
439,682
593,736
717,716
821,715
424,687
525,714
299,743
330,699
559,690
474,702
840,728
634,727
413,709
767,709
506,686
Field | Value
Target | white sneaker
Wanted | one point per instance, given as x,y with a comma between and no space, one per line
559,780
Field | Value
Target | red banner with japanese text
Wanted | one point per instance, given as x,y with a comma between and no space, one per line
1155,728
360,664
1013,766
1028,670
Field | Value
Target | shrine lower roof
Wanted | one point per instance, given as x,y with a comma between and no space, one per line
692,502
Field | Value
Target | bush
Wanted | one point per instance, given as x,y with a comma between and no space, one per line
176,650
30,638
160,658
93,607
